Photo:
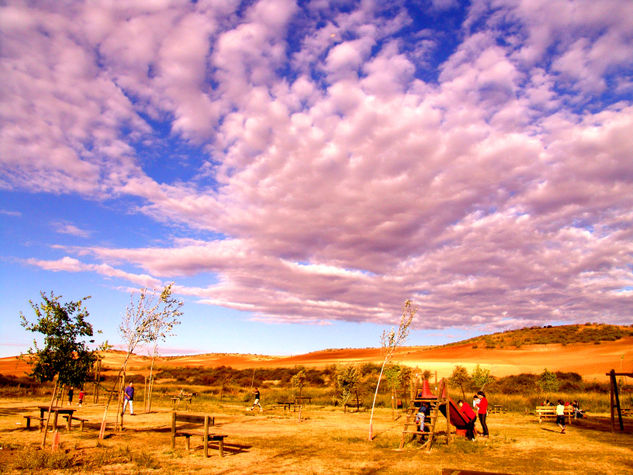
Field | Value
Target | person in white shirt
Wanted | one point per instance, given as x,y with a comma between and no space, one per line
560,416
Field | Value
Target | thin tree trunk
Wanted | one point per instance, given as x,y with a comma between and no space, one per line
371,417
50,408
150,386
107,406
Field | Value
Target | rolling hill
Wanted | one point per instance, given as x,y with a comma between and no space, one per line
590,350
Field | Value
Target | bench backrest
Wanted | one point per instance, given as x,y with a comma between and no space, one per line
551,409
193,418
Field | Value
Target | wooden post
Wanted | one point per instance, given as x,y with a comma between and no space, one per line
611,401
173,430
206,436
615,398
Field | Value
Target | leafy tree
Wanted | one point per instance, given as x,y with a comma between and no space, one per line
461,378
548,382
65,356
348,384
480,377
390,341
298,381
395,376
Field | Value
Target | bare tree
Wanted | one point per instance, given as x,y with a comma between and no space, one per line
159,329
390,341
139,325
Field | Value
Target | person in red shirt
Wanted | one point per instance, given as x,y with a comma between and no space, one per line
470,416
482,412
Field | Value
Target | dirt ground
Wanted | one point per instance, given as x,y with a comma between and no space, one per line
326,440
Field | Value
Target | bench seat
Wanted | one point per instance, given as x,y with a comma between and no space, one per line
202,425
81,420
35,418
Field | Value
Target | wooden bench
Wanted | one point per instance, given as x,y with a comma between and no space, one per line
69,420
200,420
549,412
35,418
286,405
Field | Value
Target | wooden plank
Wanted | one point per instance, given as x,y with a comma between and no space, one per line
193,418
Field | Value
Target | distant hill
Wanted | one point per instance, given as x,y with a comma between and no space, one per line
549,334
590,350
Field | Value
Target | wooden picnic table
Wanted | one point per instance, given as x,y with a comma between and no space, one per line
286,405
57,410
301,399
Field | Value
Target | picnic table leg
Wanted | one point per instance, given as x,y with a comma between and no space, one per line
70,418
221,445
187,443
28,423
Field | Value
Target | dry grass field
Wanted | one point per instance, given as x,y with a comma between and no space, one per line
326,440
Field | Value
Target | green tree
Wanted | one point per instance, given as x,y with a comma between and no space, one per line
394,375
548,382
298,381
461,378
480,377
348,385
65,356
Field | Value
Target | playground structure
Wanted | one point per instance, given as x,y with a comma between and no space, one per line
437,405
615,398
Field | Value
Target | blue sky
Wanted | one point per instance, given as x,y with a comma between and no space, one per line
300,169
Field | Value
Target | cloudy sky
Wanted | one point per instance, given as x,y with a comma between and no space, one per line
300,168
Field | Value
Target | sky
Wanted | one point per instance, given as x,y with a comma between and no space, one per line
299,169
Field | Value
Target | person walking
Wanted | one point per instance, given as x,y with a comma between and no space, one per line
482,412
560,416
70,396
256,402
82,394
128,398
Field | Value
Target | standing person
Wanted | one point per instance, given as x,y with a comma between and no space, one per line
81,397
476,406
128,398
482,412
470,416
70,396
560,416
256,402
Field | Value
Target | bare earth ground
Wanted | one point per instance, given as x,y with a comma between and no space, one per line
325,441
588,359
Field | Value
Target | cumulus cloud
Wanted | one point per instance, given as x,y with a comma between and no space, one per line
341,182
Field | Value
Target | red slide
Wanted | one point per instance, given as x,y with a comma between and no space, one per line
456,417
